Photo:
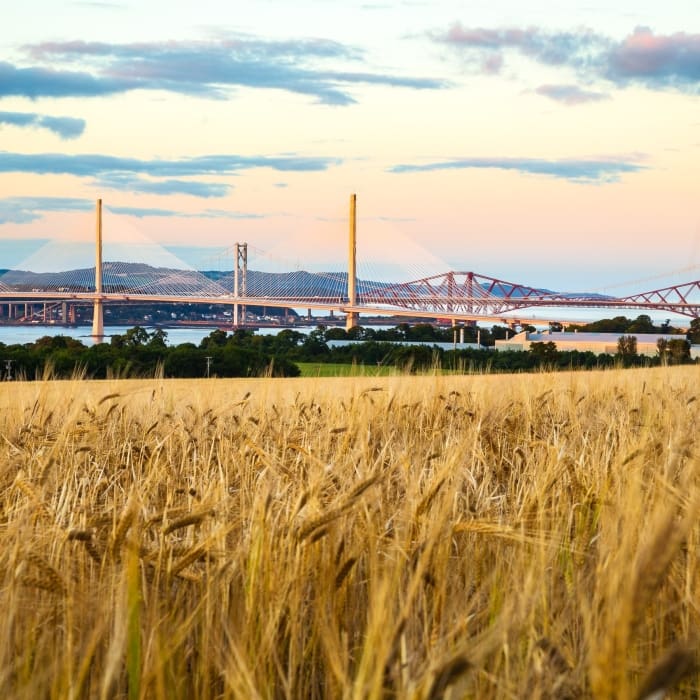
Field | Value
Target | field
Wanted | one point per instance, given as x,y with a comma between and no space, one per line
334,369
365,537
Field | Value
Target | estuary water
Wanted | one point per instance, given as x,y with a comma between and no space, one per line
13,335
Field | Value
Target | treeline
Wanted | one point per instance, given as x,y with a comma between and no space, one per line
243,353
539,356
424,332
140,353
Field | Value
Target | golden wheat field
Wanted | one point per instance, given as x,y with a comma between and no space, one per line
404,537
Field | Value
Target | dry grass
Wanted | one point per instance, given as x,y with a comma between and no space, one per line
492,537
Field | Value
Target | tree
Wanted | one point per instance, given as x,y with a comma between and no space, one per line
285,342
422,332
679,351
662,349
116,341
315,343
58,342
157,339
619,324
642,324
355,333
544,352
627,348
136,337
402,331
216,338
694,331
337,333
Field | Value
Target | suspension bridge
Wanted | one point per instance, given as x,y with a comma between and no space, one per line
456,296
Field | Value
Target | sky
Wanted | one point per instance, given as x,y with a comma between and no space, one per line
549,143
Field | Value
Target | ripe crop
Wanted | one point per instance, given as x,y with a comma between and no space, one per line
419,537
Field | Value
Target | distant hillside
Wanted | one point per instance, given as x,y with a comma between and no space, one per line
119,276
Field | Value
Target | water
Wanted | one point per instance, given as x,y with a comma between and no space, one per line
19,335
12,335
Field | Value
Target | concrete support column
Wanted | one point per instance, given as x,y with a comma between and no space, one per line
98,327
353,318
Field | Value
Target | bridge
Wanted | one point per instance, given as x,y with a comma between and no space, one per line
457,296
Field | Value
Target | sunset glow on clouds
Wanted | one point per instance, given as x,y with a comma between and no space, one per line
552,146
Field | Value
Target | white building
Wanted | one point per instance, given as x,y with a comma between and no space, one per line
428,343
599,343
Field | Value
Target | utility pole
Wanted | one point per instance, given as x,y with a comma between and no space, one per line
208,358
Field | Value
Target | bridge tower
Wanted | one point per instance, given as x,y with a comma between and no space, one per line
240,283
352,319
98,328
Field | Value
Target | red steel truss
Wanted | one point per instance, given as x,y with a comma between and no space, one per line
680,298
472,293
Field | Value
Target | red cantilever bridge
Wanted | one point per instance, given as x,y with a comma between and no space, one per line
459,296
465,296
474,295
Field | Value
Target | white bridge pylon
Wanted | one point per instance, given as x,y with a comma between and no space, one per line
456,296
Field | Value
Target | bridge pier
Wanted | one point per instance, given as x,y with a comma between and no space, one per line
98,324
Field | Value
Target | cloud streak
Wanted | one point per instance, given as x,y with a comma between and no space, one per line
576,170
24,210
642,58
570,94
207,69
130,183
37,82
143,212
65,127
157,176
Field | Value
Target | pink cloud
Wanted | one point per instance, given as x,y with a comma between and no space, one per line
646,55
656,61
570,94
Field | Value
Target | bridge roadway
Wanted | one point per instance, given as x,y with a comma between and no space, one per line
336,305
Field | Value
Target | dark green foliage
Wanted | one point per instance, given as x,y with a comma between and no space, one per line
242,353
139,353
694,331
674,352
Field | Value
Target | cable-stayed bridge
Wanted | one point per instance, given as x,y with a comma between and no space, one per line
458,296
